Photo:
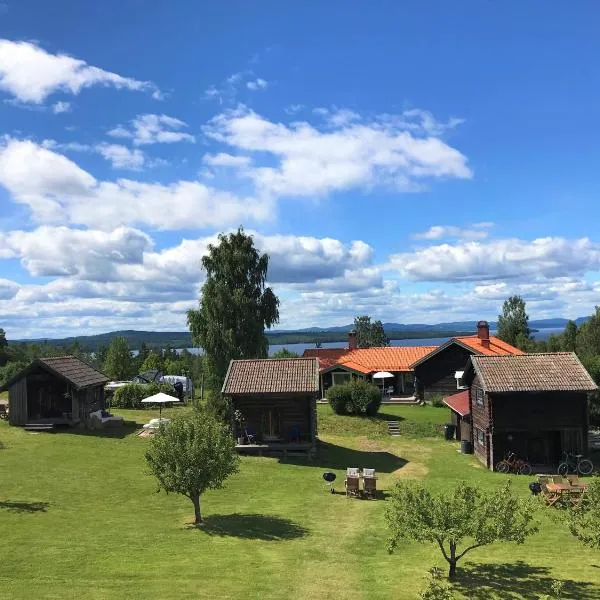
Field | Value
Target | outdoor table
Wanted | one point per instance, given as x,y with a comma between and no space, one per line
557,491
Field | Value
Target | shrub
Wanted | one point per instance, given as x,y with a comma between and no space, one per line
357,397
437,401
131,395
218,406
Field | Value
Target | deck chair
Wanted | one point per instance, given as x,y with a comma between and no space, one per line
369,483
574,480
352,485
558,479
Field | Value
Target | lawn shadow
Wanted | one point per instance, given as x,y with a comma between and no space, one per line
268,528
386,417
23,507
517,580
126,429
332,456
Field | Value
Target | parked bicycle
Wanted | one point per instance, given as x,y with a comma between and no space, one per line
575,463
512,463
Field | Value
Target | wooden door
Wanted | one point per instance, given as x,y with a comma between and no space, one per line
271,424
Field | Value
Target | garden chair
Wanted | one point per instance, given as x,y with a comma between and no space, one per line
369,483
250,435
574,480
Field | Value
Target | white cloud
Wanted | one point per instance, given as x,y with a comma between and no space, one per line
222,159
257,84
58,191
313,162
154,129
337,117
8,289
31,74
294,109
122,157
478,231
499,259
61,107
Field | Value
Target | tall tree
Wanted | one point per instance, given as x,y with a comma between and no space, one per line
193,454
569,337
466,515
513,323
3,348
369,334
584,520
588,336
153,362
143,353
235,306
119,362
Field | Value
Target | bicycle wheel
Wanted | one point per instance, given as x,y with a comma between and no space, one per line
525,469
502,467
563,469
585,467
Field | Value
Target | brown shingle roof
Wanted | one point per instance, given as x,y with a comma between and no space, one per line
552,371
272,376
73,369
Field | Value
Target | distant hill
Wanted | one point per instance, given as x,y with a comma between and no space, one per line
183,339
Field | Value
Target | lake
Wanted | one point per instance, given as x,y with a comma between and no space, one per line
541,334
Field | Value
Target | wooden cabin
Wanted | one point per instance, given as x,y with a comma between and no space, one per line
460,414
535,405
438,373
55,391
277,399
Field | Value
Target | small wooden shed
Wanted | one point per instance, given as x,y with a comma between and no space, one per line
60,390
278,401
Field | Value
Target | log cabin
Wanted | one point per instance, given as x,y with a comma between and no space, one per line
277,402
535,405
61,390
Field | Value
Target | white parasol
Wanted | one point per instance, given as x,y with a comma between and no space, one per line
160,399
383,375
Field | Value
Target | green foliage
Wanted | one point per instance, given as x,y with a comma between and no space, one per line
131,395
437,401
357,397
3,348
569,337
192,454
450,518
235,306
436,589
153,362
557,589
369,335
285,353
588,336
513,323
584,520
119,364
218,405
9,370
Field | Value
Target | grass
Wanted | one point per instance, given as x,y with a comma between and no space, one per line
79,517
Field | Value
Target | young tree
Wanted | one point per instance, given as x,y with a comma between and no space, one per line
369,335
153,362
465,515
119,362
569,337
143,353
235,306
513,323
588,336
436,588
584,520
192,454
285,353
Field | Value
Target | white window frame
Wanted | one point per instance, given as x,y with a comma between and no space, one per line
479,397
459,382
347,377
479,437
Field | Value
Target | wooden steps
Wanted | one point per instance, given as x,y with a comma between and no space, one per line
39,427
393,428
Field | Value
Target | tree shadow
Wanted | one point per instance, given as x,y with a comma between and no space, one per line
332,456
386,417
517,580
124,430
268,528
23,507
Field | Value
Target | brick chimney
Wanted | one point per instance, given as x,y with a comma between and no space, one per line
483,333
352,345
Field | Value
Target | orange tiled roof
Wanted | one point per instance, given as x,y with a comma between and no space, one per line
327,356
392,358
497,346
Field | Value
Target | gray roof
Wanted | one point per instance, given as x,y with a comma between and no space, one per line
545,372
272,376
70,368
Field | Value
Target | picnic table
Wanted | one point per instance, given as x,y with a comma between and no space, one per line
563,492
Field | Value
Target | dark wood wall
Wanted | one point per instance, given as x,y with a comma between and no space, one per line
436,375
480,419
17,402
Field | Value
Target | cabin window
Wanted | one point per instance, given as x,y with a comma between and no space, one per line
479,397
479,437
459,380
339,378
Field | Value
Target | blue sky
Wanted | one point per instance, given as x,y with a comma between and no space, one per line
418,162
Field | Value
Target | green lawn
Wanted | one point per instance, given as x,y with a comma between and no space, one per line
79,518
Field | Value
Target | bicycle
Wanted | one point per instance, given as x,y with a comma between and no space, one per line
575,463
512,463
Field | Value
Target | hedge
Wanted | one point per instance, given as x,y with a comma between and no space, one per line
358,397
132,394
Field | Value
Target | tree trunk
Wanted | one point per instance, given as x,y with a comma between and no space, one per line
197,514
452,561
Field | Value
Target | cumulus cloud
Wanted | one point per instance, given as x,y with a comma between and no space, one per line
549,257
31,74
311,162
257,84
58,191
122,157
222,159
8,289
61,107
154,129
478,231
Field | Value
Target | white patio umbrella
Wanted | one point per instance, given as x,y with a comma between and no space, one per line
160,399
383,375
